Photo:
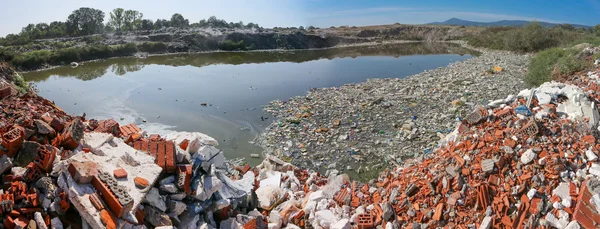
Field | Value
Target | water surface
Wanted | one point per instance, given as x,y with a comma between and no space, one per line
166,93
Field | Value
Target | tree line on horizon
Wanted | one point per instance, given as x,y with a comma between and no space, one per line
87,21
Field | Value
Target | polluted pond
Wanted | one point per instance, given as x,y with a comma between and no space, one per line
520,161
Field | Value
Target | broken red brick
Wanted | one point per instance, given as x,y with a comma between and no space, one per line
585,211
109,197
45,157
32,172
160,158
140,215
83,172
5,92
154,137
12,141
108,219
129,129
438,212
120,173
184,178
95,200
170,157
184,144
108,126
140,182
365,221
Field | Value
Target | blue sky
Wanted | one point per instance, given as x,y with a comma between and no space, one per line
323,13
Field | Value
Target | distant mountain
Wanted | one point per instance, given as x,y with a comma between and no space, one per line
456,21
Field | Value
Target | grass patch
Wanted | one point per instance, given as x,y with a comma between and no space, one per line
553,63
19,81
229,45
152,47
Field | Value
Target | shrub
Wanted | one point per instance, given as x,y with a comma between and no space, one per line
229,45
153,47
32,60
36,59
7,55
552,63
531,38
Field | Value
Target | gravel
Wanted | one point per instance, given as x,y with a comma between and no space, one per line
363,128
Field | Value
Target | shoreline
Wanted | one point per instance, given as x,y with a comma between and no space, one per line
361,44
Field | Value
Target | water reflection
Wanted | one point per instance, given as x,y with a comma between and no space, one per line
121,66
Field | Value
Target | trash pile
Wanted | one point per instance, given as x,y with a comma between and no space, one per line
364,128
526,161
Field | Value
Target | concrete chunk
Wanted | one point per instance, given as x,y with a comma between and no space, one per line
487,165
527,156
155,199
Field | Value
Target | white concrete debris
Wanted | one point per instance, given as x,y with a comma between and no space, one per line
270,178
486,223
531,193
230,224
155,199
577,106
216,156
208,185
324,219
94,140
573,225
196,140
528,156
275,218
55,223
39,220
177,207
562,190
342,224
269,195
110,155
5,163
595,170
591,156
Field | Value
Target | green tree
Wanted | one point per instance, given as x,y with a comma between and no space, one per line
596,30
132,19
85,21
57,29
116,18
147,24
161,23
177,20
203,23
252,25
566,27
109,28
